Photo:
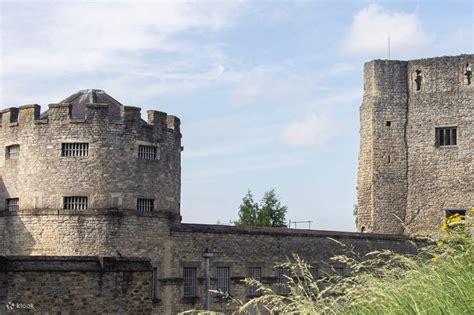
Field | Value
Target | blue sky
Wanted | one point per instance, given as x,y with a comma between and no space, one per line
268,92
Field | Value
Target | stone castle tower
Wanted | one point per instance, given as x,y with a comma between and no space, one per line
416,144
88,153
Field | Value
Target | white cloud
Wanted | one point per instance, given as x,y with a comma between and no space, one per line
61,43
311,131
272,85
372,25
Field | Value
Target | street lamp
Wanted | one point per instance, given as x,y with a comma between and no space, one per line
207,254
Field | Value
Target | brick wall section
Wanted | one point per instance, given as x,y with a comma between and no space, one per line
112,176
79,284
410,191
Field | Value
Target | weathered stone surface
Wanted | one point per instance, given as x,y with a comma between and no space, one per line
405,181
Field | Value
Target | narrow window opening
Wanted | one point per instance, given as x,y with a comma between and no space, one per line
362,229
388,159
156,284
255,273
145,205
388,123
418,78
74,149
446,136
13,204
75,203
283,274
146,152
314,273
223,280
468,73
450,212
13,152
189,282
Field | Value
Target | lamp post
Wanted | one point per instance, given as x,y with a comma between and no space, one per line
207,254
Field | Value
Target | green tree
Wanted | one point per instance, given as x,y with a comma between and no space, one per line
248,211
269,212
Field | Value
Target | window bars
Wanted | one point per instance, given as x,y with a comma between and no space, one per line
446,136
189,282
255,273
145,205
13,204
223,279
75,203
147,152
13,152
283,274
74,149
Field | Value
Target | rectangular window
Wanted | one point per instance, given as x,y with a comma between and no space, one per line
450,212
13,152
147,152
314,273
339,271
283,274
223,279
13,204
189,282
155,284
74,149
145,205
75,203
255,273
446,136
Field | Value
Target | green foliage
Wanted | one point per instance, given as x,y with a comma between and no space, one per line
269,212
439,279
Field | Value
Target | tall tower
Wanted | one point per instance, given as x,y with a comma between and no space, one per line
382,180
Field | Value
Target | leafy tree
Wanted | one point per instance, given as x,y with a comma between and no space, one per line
269,212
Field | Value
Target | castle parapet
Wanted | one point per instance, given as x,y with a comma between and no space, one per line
60,112
29,113
9,115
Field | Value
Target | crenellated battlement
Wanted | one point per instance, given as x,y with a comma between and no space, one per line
93,150
95,113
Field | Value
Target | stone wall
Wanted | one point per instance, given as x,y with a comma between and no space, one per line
84,285
406,182
240,248
111,176
439,178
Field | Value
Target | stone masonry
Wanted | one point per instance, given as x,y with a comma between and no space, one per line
407,181
111,256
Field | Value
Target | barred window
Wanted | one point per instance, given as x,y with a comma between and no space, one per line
156,283
283,274
446,136
146,152
13,204
145,205
75,203
189,282
75,149
13,152
223,279
339,271
255,273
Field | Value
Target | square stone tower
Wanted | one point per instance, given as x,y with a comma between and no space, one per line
416,144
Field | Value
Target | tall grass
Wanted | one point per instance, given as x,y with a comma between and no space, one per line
438,280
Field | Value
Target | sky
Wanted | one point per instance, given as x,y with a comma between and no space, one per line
268,92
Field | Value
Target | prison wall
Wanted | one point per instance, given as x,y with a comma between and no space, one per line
239,248
111,175
439,177
382,179
87,285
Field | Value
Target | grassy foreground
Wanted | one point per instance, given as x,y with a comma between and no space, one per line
438,280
